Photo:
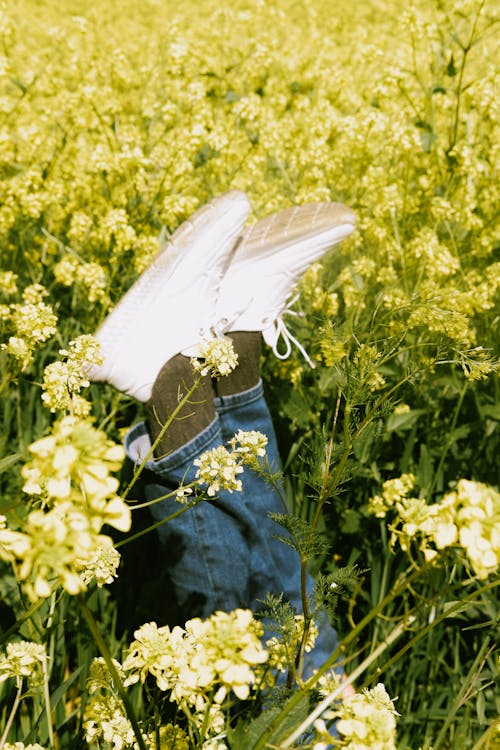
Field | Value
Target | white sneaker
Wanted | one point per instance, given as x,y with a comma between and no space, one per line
170,307
269,260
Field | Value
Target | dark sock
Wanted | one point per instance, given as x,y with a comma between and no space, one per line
173,381
248,347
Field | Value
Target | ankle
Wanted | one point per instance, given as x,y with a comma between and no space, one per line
248,347
174,380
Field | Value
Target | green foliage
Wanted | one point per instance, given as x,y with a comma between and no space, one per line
119,120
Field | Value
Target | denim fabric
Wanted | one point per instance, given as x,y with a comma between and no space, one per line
223,553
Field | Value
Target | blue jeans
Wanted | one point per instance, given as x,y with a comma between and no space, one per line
223,553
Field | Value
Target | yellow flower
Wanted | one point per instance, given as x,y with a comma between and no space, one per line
478,519
20,350
249,446
62,381
215,357
23,659
220,654
368,721
70,471
102,565
218,469
8,282
35,322
283,649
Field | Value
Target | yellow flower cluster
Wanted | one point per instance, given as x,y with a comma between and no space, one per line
102,565
90,277
105,719
365,721
23,659
249,445
29,322
218,468
200,664
62,381
469,516
69,475
215,357
368,721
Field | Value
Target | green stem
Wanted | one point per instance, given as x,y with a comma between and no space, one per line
466,48
449,439
20,620
332,479
106,654
484,740
46,697
323,493
153,526
205,723
463,694
15,706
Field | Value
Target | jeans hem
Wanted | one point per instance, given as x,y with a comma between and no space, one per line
225,404
138,444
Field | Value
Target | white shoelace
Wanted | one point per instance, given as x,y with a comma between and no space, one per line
280,330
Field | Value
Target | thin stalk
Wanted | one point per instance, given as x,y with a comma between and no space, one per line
46,697
464,693
465,51
15,706
183,401
205,723
323,705
336,474
106,654
153,526
323,494
20,620
449,439
449,611
486,737
304,559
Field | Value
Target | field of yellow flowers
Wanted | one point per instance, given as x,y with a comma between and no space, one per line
119,119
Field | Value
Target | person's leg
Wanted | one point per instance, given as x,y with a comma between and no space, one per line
205,548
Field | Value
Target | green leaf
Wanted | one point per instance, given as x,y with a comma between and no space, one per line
493,411
403,421
246,735
8,461
304,537
451,70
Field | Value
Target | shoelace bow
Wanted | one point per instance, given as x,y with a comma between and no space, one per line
280,329
284,332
